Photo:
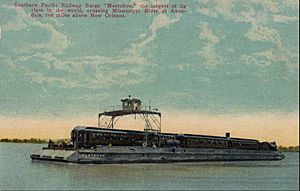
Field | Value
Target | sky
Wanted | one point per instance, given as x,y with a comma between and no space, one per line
222,66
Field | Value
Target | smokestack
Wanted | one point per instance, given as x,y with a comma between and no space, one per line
227,135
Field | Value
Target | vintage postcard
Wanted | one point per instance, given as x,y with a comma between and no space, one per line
149,94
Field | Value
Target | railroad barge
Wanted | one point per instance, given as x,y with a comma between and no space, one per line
104,144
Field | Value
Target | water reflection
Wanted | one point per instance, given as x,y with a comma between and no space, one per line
26,174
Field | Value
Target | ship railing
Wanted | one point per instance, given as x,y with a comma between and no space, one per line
119,107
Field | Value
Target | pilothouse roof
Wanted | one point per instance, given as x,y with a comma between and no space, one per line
128,112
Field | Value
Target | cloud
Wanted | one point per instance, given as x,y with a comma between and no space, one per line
93,72
262,17
265,58
206,33
284,18
244,11
56,43
292,4
270,55
255,60
225,9
159,22
265,34
208,52
39,78
257,13
132,57
7,61
16,19
182,66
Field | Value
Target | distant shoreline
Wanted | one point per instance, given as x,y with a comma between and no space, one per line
40,141
288,149
31,140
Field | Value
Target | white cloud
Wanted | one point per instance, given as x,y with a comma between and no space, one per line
182,66
255,60
238,11
270,55
208,52
7,61
104,71
159,22
206,33
56,43
245,11
231,49
225,8
17,20
105,74
284,18
293,67
266,34
131,64
40,78
292,4
93,72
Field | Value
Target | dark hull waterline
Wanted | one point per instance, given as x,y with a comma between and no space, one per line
124,154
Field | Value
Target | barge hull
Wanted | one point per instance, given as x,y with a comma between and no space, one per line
122,154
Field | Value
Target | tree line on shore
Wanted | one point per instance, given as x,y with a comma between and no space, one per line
289,149
31,140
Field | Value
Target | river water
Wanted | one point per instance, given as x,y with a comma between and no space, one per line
17,171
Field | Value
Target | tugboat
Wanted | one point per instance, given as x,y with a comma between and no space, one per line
104,144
